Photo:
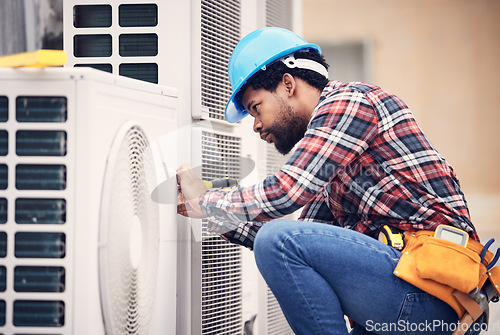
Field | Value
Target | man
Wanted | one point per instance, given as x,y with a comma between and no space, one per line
361,162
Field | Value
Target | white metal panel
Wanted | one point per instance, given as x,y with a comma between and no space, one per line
122,37
97,104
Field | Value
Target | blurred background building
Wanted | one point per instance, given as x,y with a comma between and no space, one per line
441,58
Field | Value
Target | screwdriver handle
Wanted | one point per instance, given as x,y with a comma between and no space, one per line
221,183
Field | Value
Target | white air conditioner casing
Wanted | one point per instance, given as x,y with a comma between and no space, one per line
112,234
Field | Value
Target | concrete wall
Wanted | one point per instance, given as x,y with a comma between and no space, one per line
442,58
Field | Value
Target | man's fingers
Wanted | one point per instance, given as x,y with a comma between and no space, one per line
190,189
182,206
181,209
184,168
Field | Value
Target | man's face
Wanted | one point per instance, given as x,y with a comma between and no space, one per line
274,118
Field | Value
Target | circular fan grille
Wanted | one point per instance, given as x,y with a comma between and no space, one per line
129,237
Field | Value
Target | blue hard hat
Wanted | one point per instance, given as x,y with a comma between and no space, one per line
253,53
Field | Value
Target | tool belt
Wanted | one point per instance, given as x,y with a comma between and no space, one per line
451,272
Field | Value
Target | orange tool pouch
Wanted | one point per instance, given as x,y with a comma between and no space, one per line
440,267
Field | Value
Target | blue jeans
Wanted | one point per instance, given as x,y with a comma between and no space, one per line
319,273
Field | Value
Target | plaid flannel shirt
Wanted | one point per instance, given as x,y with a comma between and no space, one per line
363,162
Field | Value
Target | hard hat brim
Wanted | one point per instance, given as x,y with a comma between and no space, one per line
235,111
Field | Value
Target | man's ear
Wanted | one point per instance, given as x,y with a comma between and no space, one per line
290,84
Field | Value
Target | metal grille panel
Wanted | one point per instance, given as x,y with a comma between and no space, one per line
276,322
220,32
221,260
279,13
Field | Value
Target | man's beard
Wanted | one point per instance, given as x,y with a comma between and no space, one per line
288,129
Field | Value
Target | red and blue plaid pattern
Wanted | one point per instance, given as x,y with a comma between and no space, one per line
363,162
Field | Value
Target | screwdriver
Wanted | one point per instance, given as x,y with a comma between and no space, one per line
221,183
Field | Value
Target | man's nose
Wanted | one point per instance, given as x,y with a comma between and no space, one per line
257,125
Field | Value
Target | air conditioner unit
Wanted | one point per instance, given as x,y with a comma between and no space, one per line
84,249
124,37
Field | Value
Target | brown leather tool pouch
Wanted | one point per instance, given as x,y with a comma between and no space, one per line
439,267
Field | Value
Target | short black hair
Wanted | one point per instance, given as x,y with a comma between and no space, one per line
269,78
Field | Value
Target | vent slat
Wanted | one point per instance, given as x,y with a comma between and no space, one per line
138,45
4,109
39,279
32,313
92,16
141,71
98,45
40,177
138,15
2,313
3,244
40,143
40,211
41,109
4,143
3,210
102,67
3,278
3,177
40,245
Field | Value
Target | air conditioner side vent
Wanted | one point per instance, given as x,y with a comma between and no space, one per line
33,234
221,261
220,32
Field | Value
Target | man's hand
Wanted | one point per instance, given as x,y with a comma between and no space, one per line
191,188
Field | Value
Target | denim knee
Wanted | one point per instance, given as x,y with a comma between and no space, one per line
269,238
263,239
